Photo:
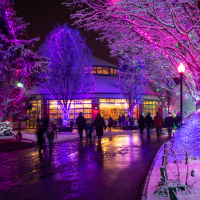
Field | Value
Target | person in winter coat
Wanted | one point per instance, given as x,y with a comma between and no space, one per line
158,123
123,120
99,124
141,123
120,121
110,122
169,120
51,131
177,120
80,121
40,133
149,123
71,125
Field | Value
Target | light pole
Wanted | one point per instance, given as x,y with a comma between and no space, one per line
181,70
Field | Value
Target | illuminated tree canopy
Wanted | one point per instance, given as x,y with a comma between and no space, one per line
70,75
165,30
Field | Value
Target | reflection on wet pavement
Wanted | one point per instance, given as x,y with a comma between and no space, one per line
79,170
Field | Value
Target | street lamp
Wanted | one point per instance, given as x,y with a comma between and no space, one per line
181,70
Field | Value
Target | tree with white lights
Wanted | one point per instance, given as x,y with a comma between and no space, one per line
70,75
20,67
167,28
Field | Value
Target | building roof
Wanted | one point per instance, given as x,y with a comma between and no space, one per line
99,62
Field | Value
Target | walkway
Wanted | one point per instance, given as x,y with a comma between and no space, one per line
115,169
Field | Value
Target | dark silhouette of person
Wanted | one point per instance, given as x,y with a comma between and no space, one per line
177,120
71,125
110,122
40,133
80,121
123,120
99,124
158,123
141,123
169,120
149,123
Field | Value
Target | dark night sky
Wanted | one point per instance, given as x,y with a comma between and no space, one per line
44,15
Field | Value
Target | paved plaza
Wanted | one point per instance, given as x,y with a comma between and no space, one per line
116,169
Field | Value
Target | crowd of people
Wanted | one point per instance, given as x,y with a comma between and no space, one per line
158,123
47,129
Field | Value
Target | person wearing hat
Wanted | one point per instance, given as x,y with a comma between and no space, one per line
99,124
169,120
51,130
149,123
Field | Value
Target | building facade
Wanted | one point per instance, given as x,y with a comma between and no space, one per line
105,99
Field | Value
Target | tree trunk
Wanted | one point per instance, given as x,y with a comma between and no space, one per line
65,112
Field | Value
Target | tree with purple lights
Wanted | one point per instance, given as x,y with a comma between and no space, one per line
20,67
70,75
167,28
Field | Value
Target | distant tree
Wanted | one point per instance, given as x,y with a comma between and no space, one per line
132,85
20,67
70,75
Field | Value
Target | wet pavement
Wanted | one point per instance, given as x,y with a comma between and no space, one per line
115,169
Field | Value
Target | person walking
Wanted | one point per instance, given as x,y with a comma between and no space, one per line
45,122
141,123
110,121
149,123
71,125
123,120
51,131
120,121
80,121
169,120
99,124
90,130
40,134
158,123
177,120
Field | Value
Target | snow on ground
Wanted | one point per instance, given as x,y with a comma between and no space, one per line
187,139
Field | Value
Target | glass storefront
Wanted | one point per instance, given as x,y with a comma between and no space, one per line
34,112
77,106
152,107
114,108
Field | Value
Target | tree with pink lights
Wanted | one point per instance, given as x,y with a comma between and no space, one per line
167,28
20,67
70,75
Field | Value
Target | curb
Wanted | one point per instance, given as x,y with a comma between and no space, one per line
5,150
146,182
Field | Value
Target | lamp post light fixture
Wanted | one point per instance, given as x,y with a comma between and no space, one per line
181,70
19,135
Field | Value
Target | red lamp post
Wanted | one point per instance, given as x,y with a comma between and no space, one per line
181,70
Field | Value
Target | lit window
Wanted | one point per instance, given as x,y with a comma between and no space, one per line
88,101
118,100
87,105
110,100
102,100
99,70
105,70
